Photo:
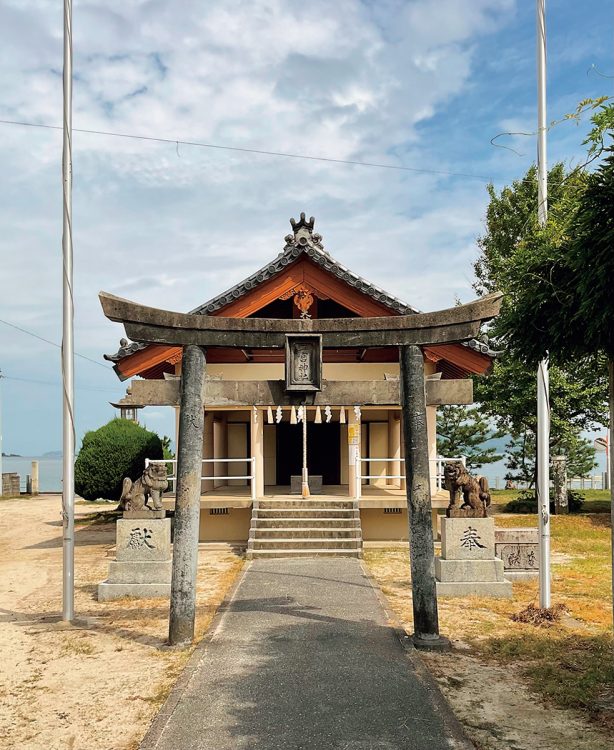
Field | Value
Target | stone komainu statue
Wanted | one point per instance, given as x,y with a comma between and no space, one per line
146,492
473,491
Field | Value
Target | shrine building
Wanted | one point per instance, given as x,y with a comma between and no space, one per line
253,428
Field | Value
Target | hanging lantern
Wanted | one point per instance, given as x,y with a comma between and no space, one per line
357,412
342,415
269,415
328,412
293,415
318,416
278,414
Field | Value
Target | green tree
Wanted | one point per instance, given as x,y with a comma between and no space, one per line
110,453
464,432
509,250
565,307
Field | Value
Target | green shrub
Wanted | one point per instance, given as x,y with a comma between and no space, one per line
526,502
107,455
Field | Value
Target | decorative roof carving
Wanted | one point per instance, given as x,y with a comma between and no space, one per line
126,348
303,298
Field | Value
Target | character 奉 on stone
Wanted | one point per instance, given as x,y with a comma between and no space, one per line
473,490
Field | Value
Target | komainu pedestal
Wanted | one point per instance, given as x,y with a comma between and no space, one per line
142,565
468,566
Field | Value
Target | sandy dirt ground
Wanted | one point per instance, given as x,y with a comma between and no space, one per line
499,712
97,685
493,701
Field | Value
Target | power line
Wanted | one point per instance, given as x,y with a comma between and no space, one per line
47,341
262,152
57,383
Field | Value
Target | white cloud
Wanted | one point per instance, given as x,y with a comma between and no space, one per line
174,226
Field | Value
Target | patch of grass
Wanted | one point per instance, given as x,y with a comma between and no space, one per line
501,496
95,519
78,646
596,505
595,501
571,662
572,670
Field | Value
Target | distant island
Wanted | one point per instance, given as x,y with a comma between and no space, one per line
11,455
52,454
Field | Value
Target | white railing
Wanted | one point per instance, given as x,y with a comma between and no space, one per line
438,476
591,482
251,460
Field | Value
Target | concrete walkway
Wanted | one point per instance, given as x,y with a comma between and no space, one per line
303,658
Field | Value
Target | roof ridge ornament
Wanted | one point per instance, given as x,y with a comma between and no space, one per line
303,233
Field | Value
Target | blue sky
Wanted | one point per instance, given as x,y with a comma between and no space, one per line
424,84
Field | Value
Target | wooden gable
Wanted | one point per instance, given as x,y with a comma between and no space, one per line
155,359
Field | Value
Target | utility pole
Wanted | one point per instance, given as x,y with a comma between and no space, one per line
543,385
68,412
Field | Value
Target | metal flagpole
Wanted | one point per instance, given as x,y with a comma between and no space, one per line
543,387
68,438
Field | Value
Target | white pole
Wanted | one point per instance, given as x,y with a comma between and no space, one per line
543,389
68,439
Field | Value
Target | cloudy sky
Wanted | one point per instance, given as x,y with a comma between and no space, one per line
423,84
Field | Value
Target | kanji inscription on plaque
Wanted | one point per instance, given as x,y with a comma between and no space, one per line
304,362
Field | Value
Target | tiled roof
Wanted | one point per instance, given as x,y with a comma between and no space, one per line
303,241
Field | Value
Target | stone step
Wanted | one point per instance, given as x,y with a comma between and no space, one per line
305,522
331,513
253,554
305,543
304,533
325,503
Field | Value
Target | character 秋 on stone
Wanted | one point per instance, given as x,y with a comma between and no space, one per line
140,537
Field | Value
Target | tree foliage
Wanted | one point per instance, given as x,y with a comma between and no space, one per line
520,258
464,432
110,453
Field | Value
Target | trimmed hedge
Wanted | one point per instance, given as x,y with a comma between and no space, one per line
107,455
526,502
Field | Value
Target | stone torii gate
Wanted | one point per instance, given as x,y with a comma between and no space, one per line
197,333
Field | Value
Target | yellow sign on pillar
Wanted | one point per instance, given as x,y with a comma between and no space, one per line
353,434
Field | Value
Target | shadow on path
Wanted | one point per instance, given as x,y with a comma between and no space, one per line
304,658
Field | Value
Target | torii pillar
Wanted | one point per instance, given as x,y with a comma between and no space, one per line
187,503
418,482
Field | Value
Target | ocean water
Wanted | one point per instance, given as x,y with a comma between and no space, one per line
49,471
